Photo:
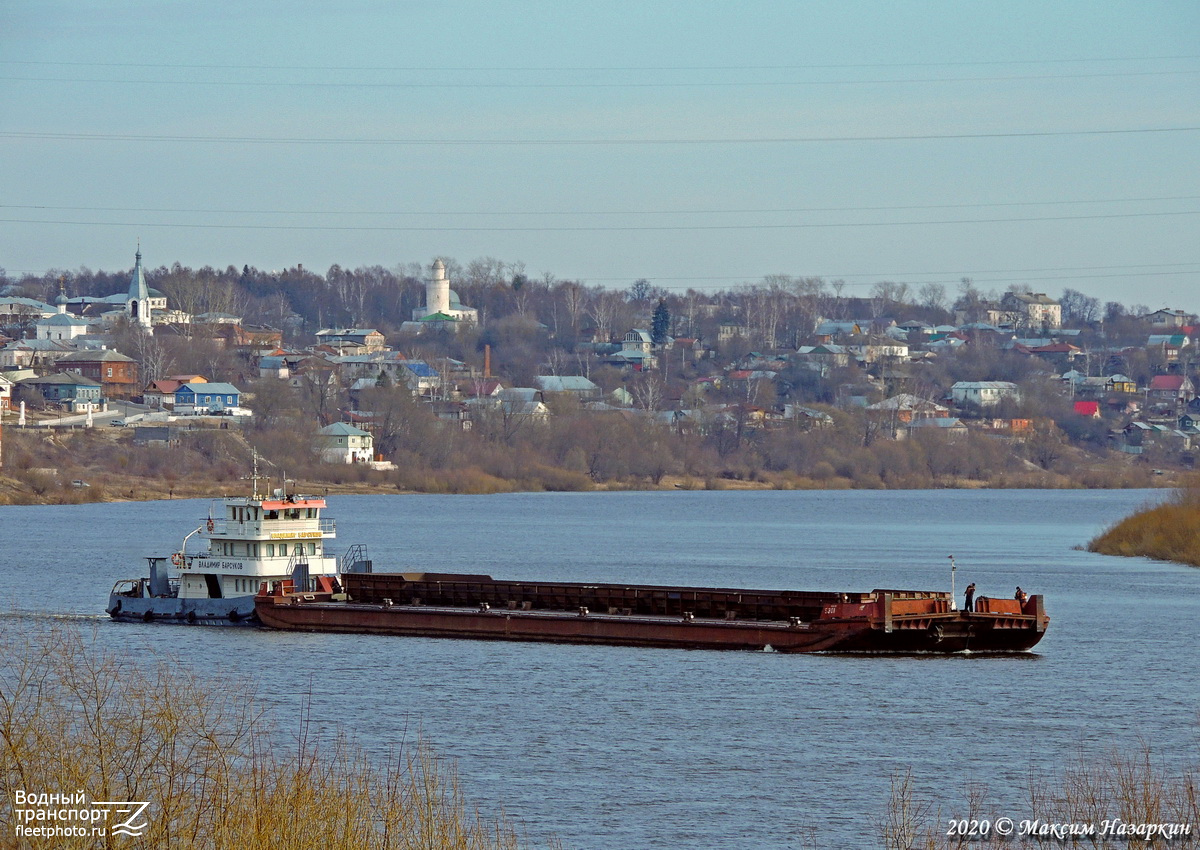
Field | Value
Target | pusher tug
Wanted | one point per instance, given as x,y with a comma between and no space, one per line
255,539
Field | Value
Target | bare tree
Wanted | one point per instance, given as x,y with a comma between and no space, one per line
604,310
647,390
933,296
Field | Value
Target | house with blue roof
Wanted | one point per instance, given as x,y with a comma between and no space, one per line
420,376
211,396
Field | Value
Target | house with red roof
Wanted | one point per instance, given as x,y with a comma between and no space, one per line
1171,389
1088,408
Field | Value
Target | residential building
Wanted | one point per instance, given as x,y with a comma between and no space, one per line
983,393
209,396
117,374
947,425
1170,390
1169,318
1169,347
363,340
343,443
72,391
1033,310
575,385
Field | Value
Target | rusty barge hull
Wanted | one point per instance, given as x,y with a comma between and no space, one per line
478,607
542,626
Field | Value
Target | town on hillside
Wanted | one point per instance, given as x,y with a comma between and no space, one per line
450,369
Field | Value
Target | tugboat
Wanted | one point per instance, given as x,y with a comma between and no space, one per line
252,540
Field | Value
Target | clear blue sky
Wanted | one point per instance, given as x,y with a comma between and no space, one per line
694,144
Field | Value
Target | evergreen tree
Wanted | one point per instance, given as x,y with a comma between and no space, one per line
660,322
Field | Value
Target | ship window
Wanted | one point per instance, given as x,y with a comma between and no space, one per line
299,550
270,550
312,548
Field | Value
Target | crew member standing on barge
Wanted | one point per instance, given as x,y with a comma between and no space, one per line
970,598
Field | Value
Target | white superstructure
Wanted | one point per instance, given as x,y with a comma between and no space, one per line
256,540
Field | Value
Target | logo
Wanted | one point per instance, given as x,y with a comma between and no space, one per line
73,815
127,826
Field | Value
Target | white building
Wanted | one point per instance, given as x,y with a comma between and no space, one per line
1033,309
984,393
342,443
441,302
62,325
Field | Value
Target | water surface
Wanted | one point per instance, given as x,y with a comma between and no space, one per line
614,746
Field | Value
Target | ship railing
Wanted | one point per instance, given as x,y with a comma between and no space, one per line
355,560
223,527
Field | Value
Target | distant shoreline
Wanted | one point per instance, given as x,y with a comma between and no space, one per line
109,487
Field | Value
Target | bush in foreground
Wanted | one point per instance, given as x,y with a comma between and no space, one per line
217,775
1089,803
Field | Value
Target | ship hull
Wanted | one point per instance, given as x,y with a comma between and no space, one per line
943,633
231,611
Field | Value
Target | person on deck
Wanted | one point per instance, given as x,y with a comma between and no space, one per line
969,604
1021,595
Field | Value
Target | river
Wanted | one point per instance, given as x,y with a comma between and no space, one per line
626,747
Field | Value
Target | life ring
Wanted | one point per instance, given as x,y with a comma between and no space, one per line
211,525
177,558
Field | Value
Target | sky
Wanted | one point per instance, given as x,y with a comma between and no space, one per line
698,145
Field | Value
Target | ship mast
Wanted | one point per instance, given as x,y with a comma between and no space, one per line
254,477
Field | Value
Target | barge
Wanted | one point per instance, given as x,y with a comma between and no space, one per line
456,605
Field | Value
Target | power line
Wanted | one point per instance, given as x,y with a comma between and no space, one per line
960,272
596,68
596,85
476,213
908,278
1127,270
606,228
298,140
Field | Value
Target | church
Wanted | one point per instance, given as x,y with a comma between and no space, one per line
441,302
139,303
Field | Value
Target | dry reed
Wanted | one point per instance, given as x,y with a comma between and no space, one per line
217,775
1108,796
1168,532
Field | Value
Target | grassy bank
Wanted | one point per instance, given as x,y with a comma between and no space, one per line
104,465
1168,532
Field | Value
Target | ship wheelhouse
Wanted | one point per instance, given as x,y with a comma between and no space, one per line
252,540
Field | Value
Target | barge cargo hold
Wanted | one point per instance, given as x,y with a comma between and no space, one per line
477,606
